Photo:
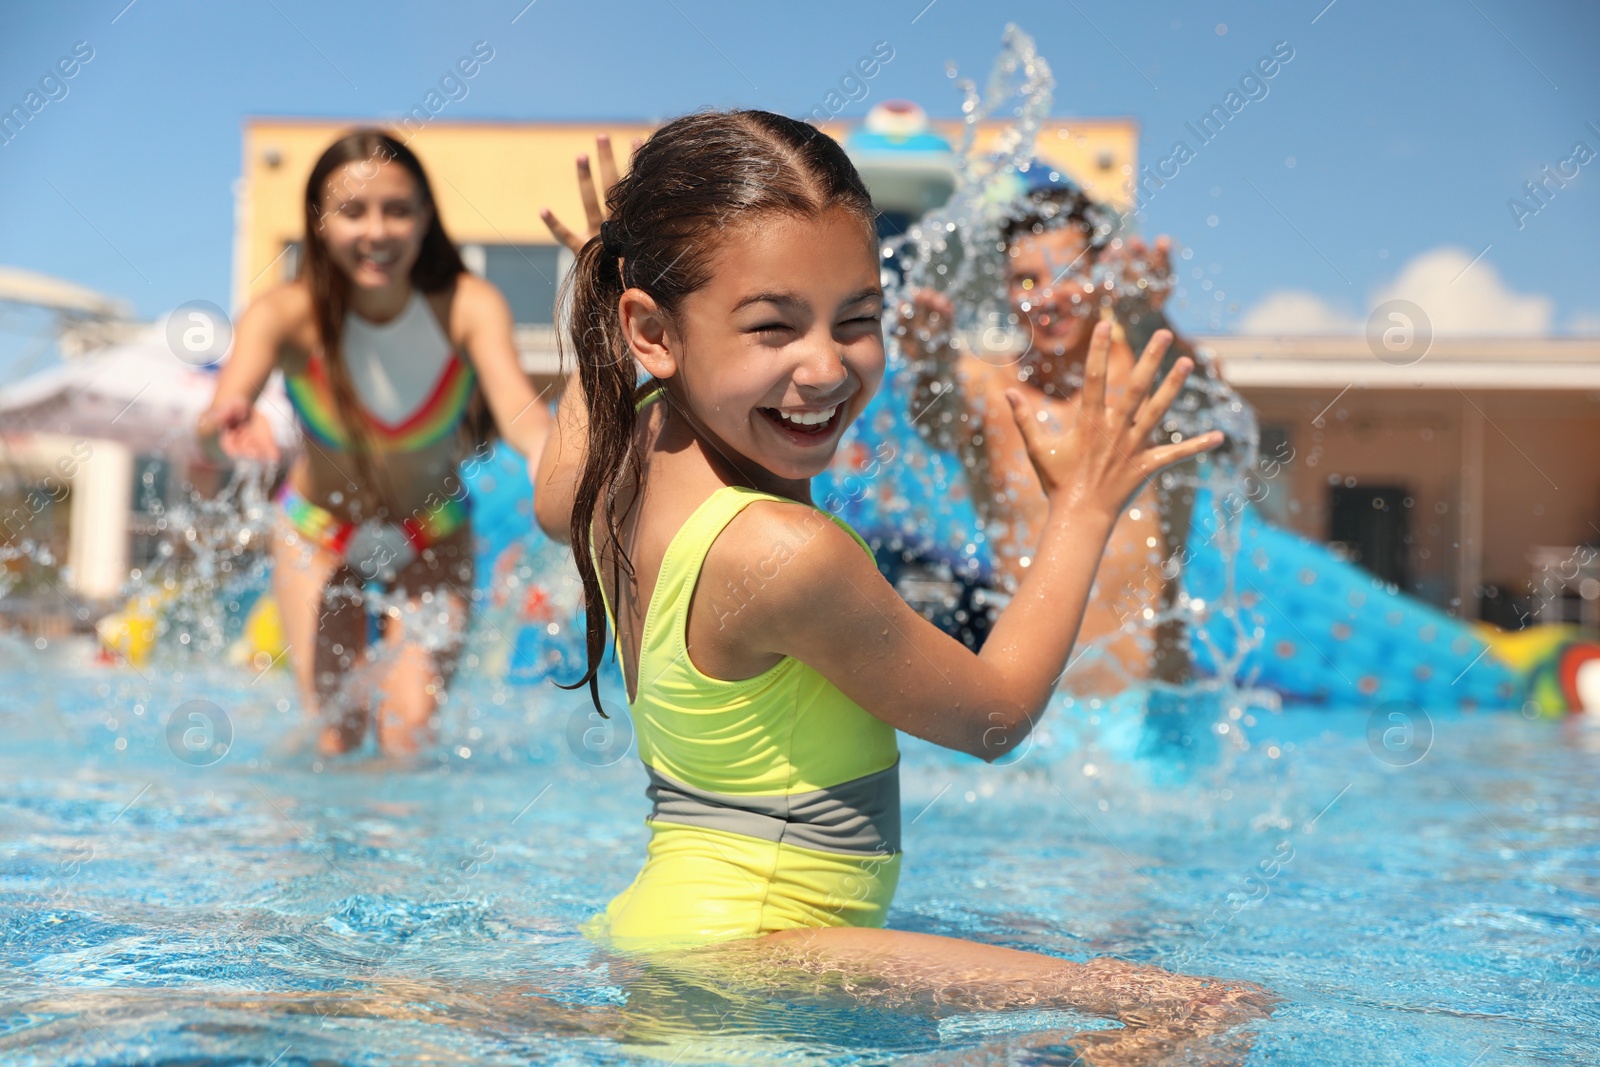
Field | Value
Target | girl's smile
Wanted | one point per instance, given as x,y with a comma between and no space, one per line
808,428
373,222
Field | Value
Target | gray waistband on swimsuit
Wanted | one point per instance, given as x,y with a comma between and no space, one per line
861,816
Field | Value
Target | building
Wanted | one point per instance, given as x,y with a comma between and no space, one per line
1468,477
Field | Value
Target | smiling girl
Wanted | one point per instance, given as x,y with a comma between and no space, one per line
736,264
390,352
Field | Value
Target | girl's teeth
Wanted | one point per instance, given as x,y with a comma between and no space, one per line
809,418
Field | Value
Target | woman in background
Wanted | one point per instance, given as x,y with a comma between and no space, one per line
400,366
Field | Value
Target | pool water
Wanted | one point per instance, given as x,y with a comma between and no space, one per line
1431,901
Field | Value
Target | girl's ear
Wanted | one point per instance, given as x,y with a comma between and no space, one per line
645,328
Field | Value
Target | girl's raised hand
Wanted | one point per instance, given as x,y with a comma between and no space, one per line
1102,458
593,198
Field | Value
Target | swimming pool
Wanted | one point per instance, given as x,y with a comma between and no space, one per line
257,910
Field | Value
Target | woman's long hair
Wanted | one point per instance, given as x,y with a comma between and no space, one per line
696,177
437,267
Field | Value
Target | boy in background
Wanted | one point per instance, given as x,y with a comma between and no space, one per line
959,405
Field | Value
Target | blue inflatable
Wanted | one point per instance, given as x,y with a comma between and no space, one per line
1314,627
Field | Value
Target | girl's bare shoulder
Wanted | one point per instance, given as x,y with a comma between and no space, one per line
288,302
283,318
787,548
472,291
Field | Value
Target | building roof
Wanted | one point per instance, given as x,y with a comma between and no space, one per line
41,290
1314,361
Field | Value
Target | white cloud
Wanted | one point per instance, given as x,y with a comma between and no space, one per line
1459,297
1292,311
1474,302
1584,323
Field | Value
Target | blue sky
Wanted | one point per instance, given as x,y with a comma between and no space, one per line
1409,126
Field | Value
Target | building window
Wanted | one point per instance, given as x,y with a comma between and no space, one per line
1274,458
528,275
1369,523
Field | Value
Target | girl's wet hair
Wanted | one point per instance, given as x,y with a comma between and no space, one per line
694,180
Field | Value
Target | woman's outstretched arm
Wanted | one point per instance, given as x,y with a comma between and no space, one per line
244,432
484,319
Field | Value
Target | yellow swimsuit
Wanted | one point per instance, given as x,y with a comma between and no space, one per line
776,799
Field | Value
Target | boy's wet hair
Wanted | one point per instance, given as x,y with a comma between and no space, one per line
695,180
1052,207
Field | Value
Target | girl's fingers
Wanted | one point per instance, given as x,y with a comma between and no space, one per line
1119,364
591,200
1158,403
560,231
1166,455
1094,371
1027,421
1043,434
1144,372
607,160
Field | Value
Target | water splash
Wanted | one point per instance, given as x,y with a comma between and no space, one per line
960,251
18,559
211,562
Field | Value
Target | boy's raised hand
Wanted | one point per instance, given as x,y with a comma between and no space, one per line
1101,459
1134,259
924,324
593,198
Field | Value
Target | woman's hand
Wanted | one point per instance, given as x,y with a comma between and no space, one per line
1104,456
593,199
243,431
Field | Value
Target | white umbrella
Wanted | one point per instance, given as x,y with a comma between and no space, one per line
137,393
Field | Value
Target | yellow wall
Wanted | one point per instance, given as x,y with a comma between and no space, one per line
1079,147
491,179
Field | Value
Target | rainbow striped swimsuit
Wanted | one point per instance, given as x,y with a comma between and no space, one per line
312,396
411,335
424,527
